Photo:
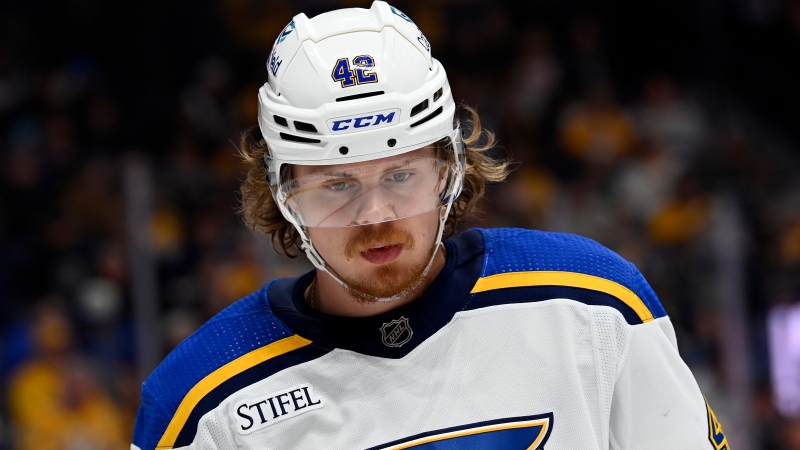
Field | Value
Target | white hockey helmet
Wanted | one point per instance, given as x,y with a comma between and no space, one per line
351,86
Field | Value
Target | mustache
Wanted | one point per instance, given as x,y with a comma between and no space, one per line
377,237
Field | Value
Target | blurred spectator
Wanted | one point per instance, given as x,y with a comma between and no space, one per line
674,123
646,182
537,77
55,398
790,436
790,244
684,217
597,131
208,103
528,198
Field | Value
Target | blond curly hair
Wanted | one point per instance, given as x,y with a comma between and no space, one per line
260,212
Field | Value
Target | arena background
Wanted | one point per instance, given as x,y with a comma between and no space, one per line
666,130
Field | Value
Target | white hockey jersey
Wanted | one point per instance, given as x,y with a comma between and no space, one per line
525,340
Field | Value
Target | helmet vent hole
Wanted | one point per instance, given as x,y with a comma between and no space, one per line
428,117
293,138
358,96
281,121
303,126
421,106
391,142
344,150
437,95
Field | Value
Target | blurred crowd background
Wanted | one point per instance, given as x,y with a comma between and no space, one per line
666,130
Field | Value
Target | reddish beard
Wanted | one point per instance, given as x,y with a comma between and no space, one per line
373,236
386,280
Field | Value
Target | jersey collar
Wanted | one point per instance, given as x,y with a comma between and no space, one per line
397,332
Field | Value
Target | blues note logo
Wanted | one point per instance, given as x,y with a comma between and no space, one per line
286,32
512,433
274,60
715,433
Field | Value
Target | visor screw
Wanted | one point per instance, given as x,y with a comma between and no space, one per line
343,150
391,142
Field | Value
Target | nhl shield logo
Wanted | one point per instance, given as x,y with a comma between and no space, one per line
396,333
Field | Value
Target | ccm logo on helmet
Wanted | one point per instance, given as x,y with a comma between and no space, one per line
363,122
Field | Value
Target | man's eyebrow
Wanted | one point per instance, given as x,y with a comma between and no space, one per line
343,172
402,163
354,172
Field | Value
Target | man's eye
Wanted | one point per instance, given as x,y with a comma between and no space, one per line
399,177
340,186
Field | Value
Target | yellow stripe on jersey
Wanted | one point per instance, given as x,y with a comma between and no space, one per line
568,279
219,376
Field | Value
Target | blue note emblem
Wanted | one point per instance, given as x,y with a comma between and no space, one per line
715,433
286,32
400,14
512,433
275,62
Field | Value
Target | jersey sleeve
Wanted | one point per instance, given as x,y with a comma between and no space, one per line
151,421
240,343
656,402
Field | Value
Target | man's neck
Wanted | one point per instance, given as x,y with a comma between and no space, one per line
330,297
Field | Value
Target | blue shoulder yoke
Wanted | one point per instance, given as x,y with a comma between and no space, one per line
552,262
242,344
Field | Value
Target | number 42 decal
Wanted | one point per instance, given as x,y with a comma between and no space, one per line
359,74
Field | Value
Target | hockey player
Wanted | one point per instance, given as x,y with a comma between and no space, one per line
488,339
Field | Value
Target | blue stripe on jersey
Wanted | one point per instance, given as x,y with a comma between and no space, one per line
240,381
518,250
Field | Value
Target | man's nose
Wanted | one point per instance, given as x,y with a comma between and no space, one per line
374,205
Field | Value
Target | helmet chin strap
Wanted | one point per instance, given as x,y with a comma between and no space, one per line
319,262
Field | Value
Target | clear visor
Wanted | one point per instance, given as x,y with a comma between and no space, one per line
376,191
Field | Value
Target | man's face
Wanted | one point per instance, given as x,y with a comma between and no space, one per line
380,260
385,255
